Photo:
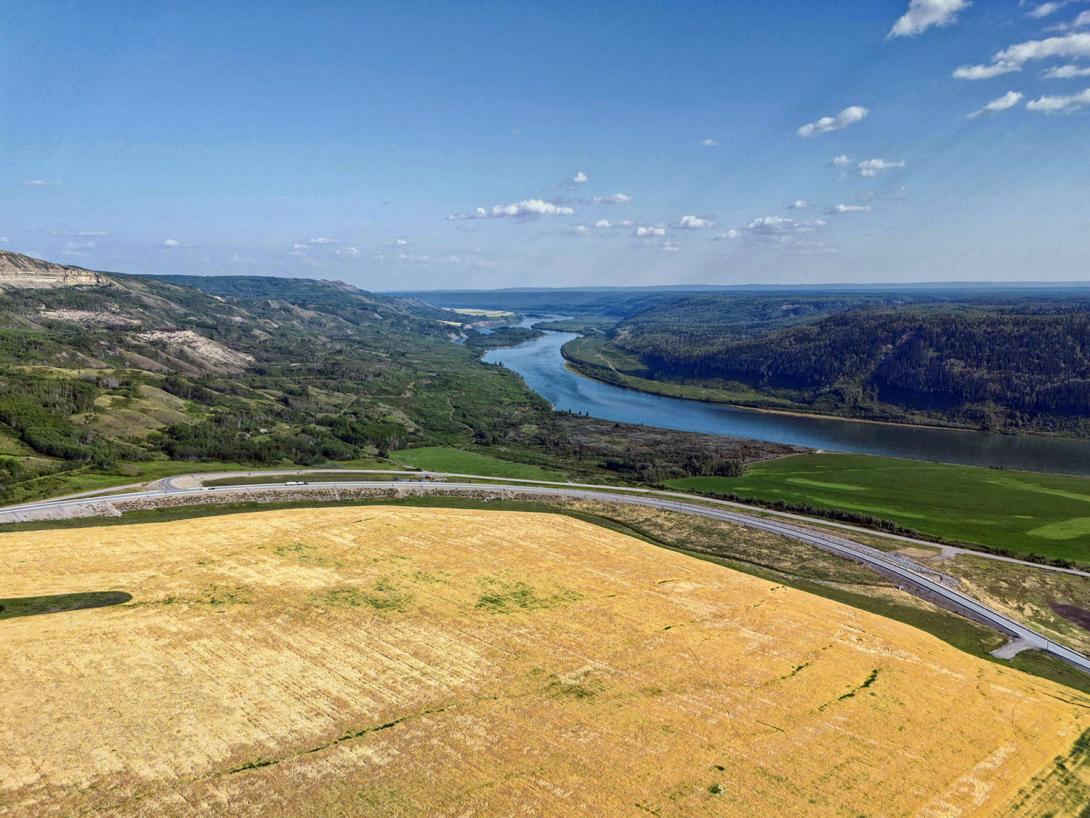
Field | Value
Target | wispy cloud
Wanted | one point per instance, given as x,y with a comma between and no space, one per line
873,167
730,235
1014,58
849,208
1082,21
842,161
773,229
1066,72
923,14
171,243
613,224
580,178
780,226
649,230
40,183
710,143
525,209
1003,103
348,252
694,223
613,198
849,116
1060,104
798,204
1043,10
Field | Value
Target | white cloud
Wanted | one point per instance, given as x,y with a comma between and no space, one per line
613,224
1082,21
1066,72
798,204
780,226
1009,60
774,229
923,14
613,198
401,242
842,161
849,116
1060,104
171,243
425,259
669,246
695,223
872,167
40,183
1048,9
647,231
1045,9
710,143
348,252
91,234
527,208
1003,103
849,208
322,240
580,178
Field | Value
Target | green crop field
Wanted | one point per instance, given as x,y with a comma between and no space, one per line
461,461
1044,515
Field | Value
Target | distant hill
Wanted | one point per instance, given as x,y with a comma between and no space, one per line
1000,362
17,270
102,369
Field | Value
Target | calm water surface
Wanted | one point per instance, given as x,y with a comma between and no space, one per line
541,365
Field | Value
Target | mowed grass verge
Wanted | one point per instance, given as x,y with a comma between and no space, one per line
1024,513
462,461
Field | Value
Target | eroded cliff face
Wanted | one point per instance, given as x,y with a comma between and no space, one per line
17,270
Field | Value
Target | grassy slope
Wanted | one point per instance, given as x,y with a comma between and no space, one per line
1027,513
459,461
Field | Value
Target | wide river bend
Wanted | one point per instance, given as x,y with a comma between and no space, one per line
542,366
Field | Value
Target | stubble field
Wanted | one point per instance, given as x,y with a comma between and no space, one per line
412,661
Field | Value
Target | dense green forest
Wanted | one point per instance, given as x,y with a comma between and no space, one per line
134,372
997,362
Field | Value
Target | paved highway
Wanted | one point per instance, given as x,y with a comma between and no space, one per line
920,580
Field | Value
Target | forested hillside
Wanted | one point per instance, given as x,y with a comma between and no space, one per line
1008,363
134,375
120,370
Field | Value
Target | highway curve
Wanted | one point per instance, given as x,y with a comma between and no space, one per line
918,579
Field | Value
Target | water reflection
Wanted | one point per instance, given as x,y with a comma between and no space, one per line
541,365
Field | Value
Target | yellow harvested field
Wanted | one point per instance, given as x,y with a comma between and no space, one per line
375,661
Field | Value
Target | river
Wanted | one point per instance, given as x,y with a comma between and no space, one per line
541,365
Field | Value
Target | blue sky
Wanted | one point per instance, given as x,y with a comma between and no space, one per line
432,144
